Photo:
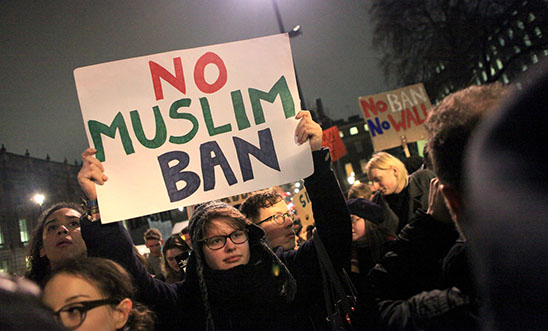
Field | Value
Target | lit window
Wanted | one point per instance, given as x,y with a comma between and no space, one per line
484,76
531,17
478,81
349,170
499,64
353,131
517,50
526,40
341,134
365,127
538,33
487,57
505,79
545,52
4,266
23,231
524,67
480,65
1,236
520,25
534,57
514,13
510,33
492,71
501,41
442,66
437,69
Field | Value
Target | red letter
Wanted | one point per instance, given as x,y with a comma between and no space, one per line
398,125
199,78
177,81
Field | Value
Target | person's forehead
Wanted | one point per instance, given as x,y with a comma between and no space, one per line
62,214
173,252
219,226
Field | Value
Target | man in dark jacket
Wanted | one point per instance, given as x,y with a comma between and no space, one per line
424,281
268,210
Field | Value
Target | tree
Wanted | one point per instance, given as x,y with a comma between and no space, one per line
436,42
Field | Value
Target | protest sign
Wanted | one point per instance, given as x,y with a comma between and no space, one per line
333,141
183,127
302,204
396,117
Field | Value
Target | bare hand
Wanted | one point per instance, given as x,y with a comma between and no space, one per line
308,129
436,203
91,173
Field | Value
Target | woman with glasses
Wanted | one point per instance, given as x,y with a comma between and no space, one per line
95,294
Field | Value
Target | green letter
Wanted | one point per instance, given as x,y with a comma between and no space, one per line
239,110
97,128
161,132
174,114
280,88
211,129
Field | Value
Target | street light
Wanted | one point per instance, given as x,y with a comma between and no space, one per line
39,199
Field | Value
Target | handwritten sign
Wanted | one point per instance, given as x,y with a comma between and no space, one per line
302,204
332,139
183,127
396,114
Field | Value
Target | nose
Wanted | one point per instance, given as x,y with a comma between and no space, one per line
62,229
229,245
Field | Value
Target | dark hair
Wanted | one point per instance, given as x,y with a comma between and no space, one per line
261,199
174,241
39,266
451,123
113,281
377,236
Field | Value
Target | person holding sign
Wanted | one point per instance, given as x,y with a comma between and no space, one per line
234,279
399,194
268,210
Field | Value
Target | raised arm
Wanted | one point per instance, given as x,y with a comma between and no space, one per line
331,215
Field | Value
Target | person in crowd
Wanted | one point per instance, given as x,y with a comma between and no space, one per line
21,308
398,194
237,279
95,294
413,163
55,239
424,281
506,198
175,253
154,241
269,210
361,190
369,241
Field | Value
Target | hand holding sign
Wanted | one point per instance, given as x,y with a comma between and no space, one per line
308,129
91,173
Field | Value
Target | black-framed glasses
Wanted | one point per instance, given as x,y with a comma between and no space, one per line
217,242
74,314
279,218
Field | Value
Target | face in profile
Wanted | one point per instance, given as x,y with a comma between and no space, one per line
77,304
277,234
61,236
358,228
224,246
385,181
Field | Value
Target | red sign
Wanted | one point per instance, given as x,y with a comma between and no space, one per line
332,139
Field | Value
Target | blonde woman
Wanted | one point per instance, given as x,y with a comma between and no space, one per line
399,194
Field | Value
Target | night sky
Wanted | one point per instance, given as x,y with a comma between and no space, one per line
44,41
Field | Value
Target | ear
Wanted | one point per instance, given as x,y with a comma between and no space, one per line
453,199
121,313
42,251
395,171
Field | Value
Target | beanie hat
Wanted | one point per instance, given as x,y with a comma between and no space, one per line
366,209
256,238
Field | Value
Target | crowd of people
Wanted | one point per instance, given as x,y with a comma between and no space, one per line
456,243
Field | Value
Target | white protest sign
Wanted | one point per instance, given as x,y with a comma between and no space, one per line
183,127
